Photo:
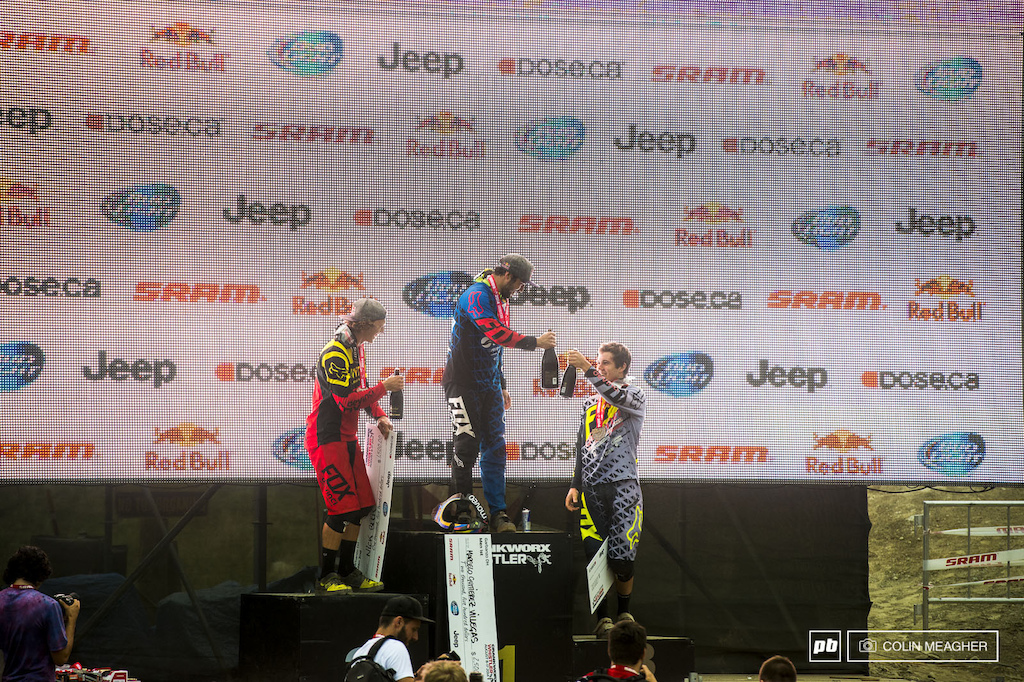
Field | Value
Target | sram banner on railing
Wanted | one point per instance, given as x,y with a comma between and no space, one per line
813,255
1012,557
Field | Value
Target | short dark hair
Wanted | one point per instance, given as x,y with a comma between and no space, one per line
620,354
778,669
627,642
28,563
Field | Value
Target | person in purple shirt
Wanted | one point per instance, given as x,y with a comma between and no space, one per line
36,631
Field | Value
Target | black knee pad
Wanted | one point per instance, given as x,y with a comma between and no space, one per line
622,568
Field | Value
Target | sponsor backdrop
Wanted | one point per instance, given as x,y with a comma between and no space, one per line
809,240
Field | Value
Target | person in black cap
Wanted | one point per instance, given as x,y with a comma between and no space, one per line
400,619
475,387
332,442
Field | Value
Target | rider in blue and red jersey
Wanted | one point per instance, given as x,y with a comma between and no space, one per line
475,387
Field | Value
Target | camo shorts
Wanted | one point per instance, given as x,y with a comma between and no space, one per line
614,511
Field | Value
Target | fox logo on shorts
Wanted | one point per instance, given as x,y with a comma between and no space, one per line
336,483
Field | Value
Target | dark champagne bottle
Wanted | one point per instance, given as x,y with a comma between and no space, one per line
549,369
397,403
568,382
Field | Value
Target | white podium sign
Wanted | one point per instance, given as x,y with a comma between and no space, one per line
471,624
373,533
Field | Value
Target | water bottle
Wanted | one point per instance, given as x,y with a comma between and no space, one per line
549,369
397,403
568,382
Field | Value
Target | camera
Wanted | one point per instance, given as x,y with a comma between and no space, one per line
68,599
866,646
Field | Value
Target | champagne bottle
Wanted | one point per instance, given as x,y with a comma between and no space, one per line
568,382
549,369
397,403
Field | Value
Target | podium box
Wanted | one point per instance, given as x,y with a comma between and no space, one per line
306,637
532,596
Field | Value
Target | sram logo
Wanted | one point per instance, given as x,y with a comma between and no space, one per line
47,450
958,148
297,132
972,559
746,75
560,224
415,375
712,454
183,292
836,300
44,42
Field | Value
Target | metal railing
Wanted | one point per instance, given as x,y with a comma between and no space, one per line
926,597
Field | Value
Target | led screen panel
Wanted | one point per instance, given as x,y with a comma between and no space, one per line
809,240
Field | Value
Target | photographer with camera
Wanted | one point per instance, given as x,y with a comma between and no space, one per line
36,631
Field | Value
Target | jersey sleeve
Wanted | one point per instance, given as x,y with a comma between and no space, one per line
629,399
481,308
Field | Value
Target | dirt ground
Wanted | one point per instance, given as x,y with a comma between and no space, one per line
895,556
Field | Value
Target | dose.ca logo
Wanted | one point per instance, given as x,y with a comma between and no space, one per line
823,646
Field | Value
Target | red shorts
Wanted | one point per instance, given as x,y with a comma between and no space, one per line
341,474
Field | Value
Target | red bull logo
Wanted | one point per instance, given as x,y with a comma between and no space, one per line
840,64
182,33
12,190
713,212
187,435
332,279
842,441
844,466
846,86
445,123
13,211
944,287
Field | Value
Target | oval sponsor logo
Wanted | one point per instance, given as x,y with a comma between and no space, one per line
828,228
143,208
551,139
455,609
290,448
436,294
949,79
953,454
680,374
20,364
312,53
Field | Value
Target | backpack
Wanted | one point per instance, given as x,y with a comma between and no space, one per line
365,669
